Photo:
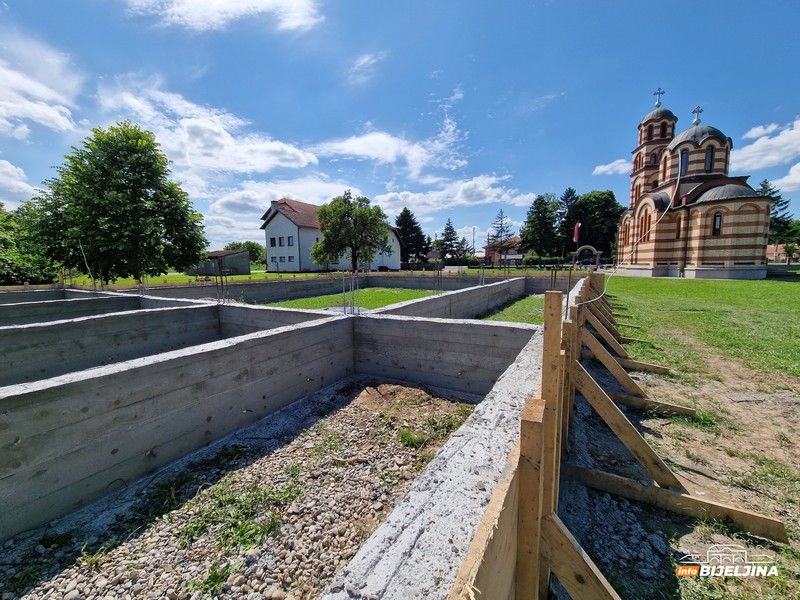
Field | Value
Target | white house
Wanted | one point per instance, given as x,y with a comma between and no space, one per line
291,226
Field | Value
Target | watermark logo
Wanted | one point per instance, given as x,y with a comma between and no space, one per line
726,560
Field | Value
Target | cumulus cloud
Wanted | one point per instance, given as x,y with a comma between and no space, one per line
14,185
760,131
198,137
439,151
791,182
482,189
204,15
769,150
618,167
363,69
37,85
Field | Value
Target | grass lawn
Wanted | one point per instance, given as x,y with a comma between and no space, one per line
529,309
181,279
755,321
367,298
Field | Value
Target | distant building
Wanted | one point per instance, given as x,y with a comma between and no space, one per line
688,217
291,227
506,254
223,262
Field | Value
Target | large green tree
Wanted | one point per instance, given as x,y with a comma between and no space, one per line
20,259
350,225
447,244
598,212
780,219
113,210
411,234
258,253
539,234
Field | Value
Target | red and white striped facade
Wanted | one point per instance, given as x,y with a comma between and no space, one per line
687,216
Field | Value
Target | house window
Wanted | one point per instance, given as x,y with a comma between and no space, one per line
709,159
684,161
274,259
663,130
283,259
291,259
280,242
290,240
716,228
272,242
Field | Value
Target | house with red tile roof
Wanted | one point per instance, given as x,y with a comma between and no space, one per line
291,227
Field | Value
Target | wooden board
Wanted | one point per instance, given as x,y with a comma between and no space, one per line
663,408
604,333
604,356
681,503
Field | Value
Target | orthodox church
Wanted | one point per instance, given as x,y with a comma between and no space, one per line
688,217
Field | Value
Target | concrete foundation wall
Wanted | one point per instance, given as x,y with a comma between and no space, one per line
464,356
71,439
42,350
242,319
52,310
461,304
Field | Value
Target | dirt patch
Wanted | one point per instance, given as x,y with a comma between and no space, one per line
742,449
273,518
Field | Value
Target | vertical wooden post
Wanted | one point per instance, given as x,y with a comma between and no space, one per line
551,392
566,345
529,516
576,347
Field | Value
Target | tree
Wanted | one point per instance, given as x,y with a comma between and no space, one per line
501,233
780,219
350,225
412,236
539,234
113,210
565,218
258,253
20,261
598,212
463,249
449,240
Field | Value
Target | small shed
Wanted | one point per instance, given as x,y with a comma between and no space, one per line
223,262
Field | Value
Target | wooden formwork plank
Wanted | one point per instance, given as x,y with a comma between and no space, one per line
574,568
575,345
664,408
682,503
606,334
631,325
611,327
634,365
627,340
604,356
566,397
624,430
531,496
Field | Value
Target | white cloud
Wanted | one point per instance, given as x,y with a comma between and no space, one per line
197,137
37,85
618,167
760,131
14,185
769,151
204,15
483,189
363,69
440,151
791,182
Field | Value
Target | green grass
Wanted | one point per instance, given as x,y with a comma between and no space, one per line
181,279
755,321
367,298
529,309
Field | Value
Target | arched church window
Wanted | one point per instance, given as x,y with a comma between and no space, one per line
650,132
709,159
678,223
653,159
663,130
716,227
684,161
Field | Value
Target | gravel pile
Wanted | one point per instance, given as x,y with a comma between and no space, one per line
273,513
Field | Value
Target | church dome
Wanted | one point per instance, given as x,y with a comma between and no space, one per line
697,134
729,191
659,113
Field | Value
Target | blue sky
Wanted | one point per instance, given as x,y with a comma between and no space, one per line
456,109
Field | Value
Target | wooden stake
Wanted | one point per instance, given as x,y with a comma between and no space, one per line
624,430
530,500
663,408
603,331
681,503
574,568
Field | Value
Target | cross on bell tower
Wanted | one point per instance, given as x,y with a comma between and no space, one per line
658,93
696,112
